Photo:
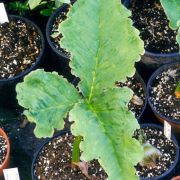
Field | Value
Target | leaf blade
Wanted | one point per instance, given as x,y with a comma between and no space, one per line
33,3
108,127
172,10
101,51
46,105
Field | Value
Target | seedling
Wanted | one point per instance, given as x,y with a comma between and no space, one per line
99,35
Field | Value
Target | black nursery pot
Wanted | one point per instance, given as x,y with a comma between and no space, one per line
49,27
137,85
7,86
164,175
145,93
154,60
20,76
61,133
59,61
174,123
169,172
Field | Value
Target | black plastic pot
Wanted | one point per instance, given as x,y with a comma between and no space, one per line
63,132
168,173
59,61
7,86
164,175
38,60
174,123
49,26
139,78
155,60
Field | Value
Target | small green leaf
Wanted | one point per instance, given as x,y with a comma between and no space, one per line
58,3
17,6
47,98
177,91
172,10
33,3
55,34
46,12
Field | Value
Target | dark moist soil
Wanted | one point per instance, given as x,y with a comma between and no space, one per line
3,149
136,86
59,19
149,17
19,48
156,138
162,94
53,162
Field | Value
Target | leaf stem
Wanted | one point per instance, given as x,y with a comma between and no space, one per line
76,150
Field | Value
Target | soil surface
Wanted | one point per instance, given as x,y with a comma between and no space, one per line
162,94
53,162
19,48
56,38
3,149
137,103
149,17
156,138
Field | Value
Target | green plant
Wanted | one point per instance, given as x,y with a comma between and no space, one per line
177,91
104,47
46,8
172,9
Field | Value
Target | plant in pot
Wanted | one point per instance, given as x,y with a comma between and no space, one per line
102,125
45,8
159,39
4,152
163,94
102,122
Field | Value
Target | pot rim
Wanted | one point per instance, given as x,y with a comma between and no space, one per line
138,76
49,27
151,79
60,133
38,59
162,54
4,135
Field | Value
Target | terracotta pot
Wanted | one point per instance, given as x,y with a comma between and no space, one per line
176,178
6,162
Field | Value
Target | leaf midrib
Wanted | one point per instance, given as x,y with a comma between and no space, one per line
102,127
96,60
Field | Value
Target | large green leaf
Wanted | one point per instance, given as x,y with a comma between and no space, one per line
48,98
172,9
107,127
103,44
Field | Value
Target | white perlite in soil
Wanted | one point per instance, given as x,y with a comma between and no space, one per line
3,149
162,94
157,139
